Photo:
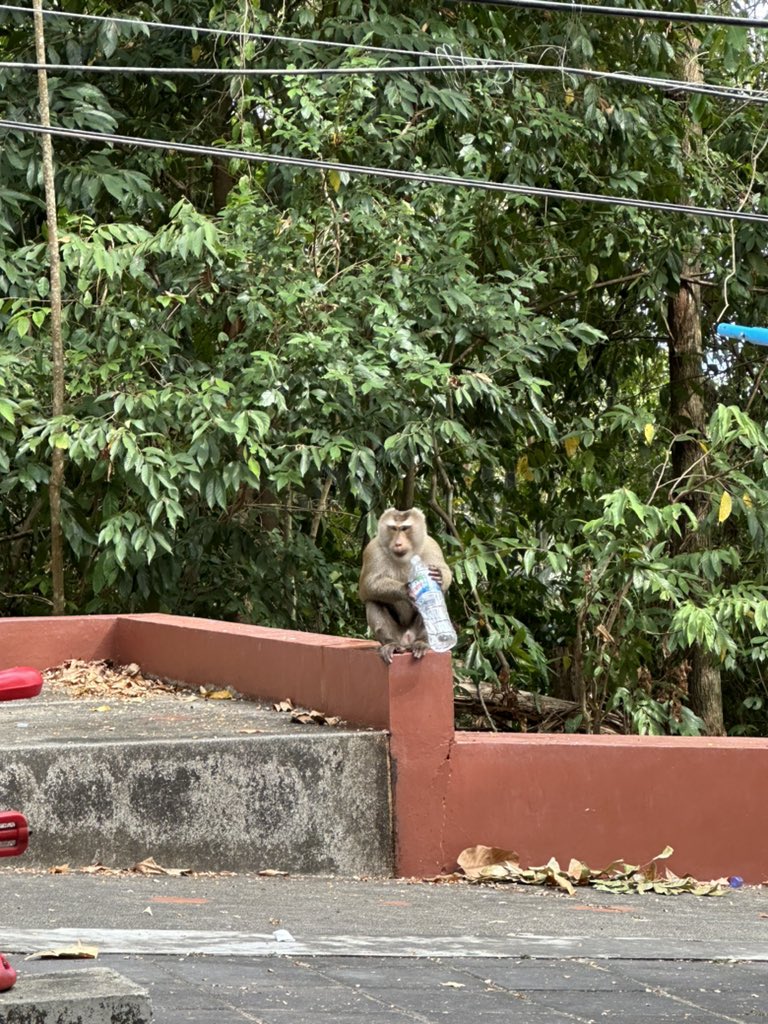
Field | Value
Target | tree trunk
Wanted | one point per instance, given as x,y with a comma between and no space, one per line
705,691
57,345
688,416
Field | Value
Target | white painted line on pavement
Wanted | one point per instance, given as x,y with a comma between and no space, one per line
225,943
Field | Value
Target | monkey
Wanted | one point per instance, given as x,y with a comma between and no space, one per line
391,614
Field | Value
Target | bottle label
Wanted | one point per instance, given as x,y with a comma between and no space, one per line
419,589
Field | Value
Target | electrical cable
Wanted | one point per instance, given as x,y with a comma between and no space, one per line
640,13
665,84
386,172
377,69
235,33
450,60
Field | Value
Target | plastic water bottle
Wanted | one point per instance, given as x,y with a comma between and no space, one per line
428,597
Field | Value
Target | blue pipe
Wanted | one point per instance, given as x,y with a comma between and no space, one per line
757,335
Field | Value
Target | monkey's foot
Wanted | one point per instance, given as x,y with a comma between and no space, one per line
387,651
419,648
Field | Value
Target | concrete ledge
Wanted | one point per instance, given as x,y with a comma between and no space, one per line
93,995
312,802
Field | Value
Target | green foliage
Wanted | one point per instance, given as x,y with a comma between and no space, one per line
261,358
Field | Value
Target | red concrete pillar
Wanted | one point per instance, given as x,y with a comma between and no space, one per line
421,731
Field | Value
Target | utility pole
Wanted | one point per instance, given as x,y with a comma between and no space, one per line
56,482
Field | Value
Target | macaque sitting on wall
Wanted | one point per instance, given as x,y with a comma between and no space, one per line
391,614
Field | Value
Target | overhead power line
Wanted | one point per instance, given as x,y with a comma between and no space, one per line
664,84
266,37
387,172
374,69
639,13
447,59
642,14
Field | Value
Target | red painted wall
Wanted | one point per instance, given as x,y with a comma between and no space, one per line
595,798
339,675
41,642
605,798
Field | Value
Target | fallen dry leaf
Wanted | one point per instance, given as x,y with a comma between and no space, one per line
490,864
271,873
99,869
102,679
313,718
59,869
454,876
475,858
76,952
151,867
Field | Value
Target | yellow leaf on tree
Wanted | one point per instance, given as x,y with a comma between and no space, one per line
648,431
335,180
747,500
571,446
522,469
725,507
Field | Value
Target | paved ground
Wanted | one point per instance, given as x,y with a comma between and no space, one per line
279,950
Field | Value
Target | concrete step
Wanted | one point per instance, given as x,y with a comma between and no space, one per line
226,785
92,995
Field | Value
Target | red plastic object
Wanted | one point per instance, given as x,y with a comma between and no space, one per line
18,683
7,975
14,834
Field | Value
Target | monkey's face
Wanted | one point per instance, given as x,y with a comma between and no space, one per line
401,533
400,543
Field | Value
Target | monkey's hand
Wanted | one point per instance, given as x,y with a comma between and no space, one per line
434,573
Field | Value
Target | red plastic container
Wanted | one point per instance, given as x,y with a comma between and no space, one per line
7,975
18,683
15,684
14,834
